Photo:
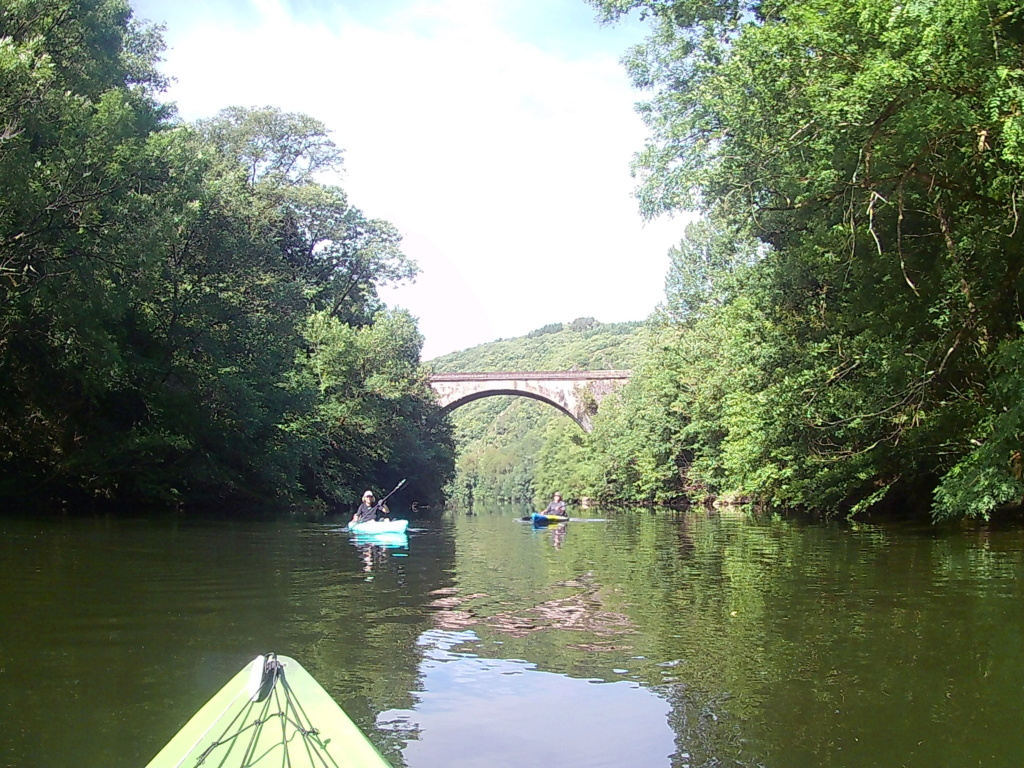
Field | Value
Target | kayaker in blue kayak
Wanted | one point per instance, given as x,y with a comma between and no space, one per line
556,507
370,509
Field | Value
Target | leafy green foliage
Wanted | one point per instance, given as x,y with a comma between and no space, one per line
871,152
374,416
991,474
168,293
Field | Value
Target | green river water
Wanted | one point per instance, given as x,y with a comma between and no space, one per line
628,639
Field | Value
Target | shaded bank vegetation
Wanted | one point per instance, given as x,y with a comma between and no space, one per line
188,313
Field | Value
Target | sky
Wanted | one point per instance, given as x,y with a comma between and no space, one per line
496,135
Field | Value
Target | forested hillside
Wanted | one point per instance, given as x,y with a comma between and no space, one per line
188,314
582,344
504,442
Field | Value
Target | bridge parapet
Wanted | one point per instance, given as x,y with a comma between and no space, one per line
576,393
534,375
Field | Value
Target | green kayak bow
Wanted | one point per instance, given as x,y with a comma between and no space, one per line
272,713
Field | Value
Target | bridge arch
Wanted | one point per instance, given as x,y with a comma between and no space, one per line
577,394
514,392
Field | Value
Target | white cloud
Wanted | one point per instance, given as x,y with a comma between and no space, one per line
504,162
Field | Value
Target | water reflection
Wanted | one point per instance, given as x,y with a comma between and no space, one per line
744,641
555,533
477,711
582,611
383,541
776,643
374,549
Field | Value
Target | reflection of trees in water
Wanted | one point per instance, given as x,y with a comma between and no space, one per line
580,612
365,650
707,735
373,555
774,640
672,602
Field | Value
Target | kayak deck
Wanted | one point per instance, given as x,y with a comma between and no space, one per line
272,713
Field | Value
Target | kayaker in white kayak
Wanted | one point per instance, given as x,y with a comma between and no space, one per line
556,507
370,510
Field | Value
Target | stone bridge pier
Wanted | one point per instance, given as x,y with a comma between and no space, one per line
577,394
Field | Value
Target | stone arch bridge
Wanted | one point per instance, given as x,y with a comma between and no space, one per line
575,393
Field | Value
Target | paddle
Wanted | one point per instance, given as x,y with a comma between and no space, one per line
379,503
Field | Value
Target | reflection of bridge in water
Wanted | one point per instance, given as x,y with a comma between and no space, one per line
577,394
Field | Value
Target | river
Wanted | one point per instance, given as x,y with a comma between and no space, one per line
625,639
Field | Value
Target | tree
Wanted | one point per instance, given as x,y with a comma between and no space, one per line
340,254
374,416
80,164
157,281
874,150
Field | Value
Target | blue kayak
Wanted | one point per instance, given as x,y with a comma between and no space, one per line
373,527
539,518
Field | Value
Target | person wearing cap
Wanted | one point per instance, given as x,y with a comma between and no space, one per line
370,510
556,507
